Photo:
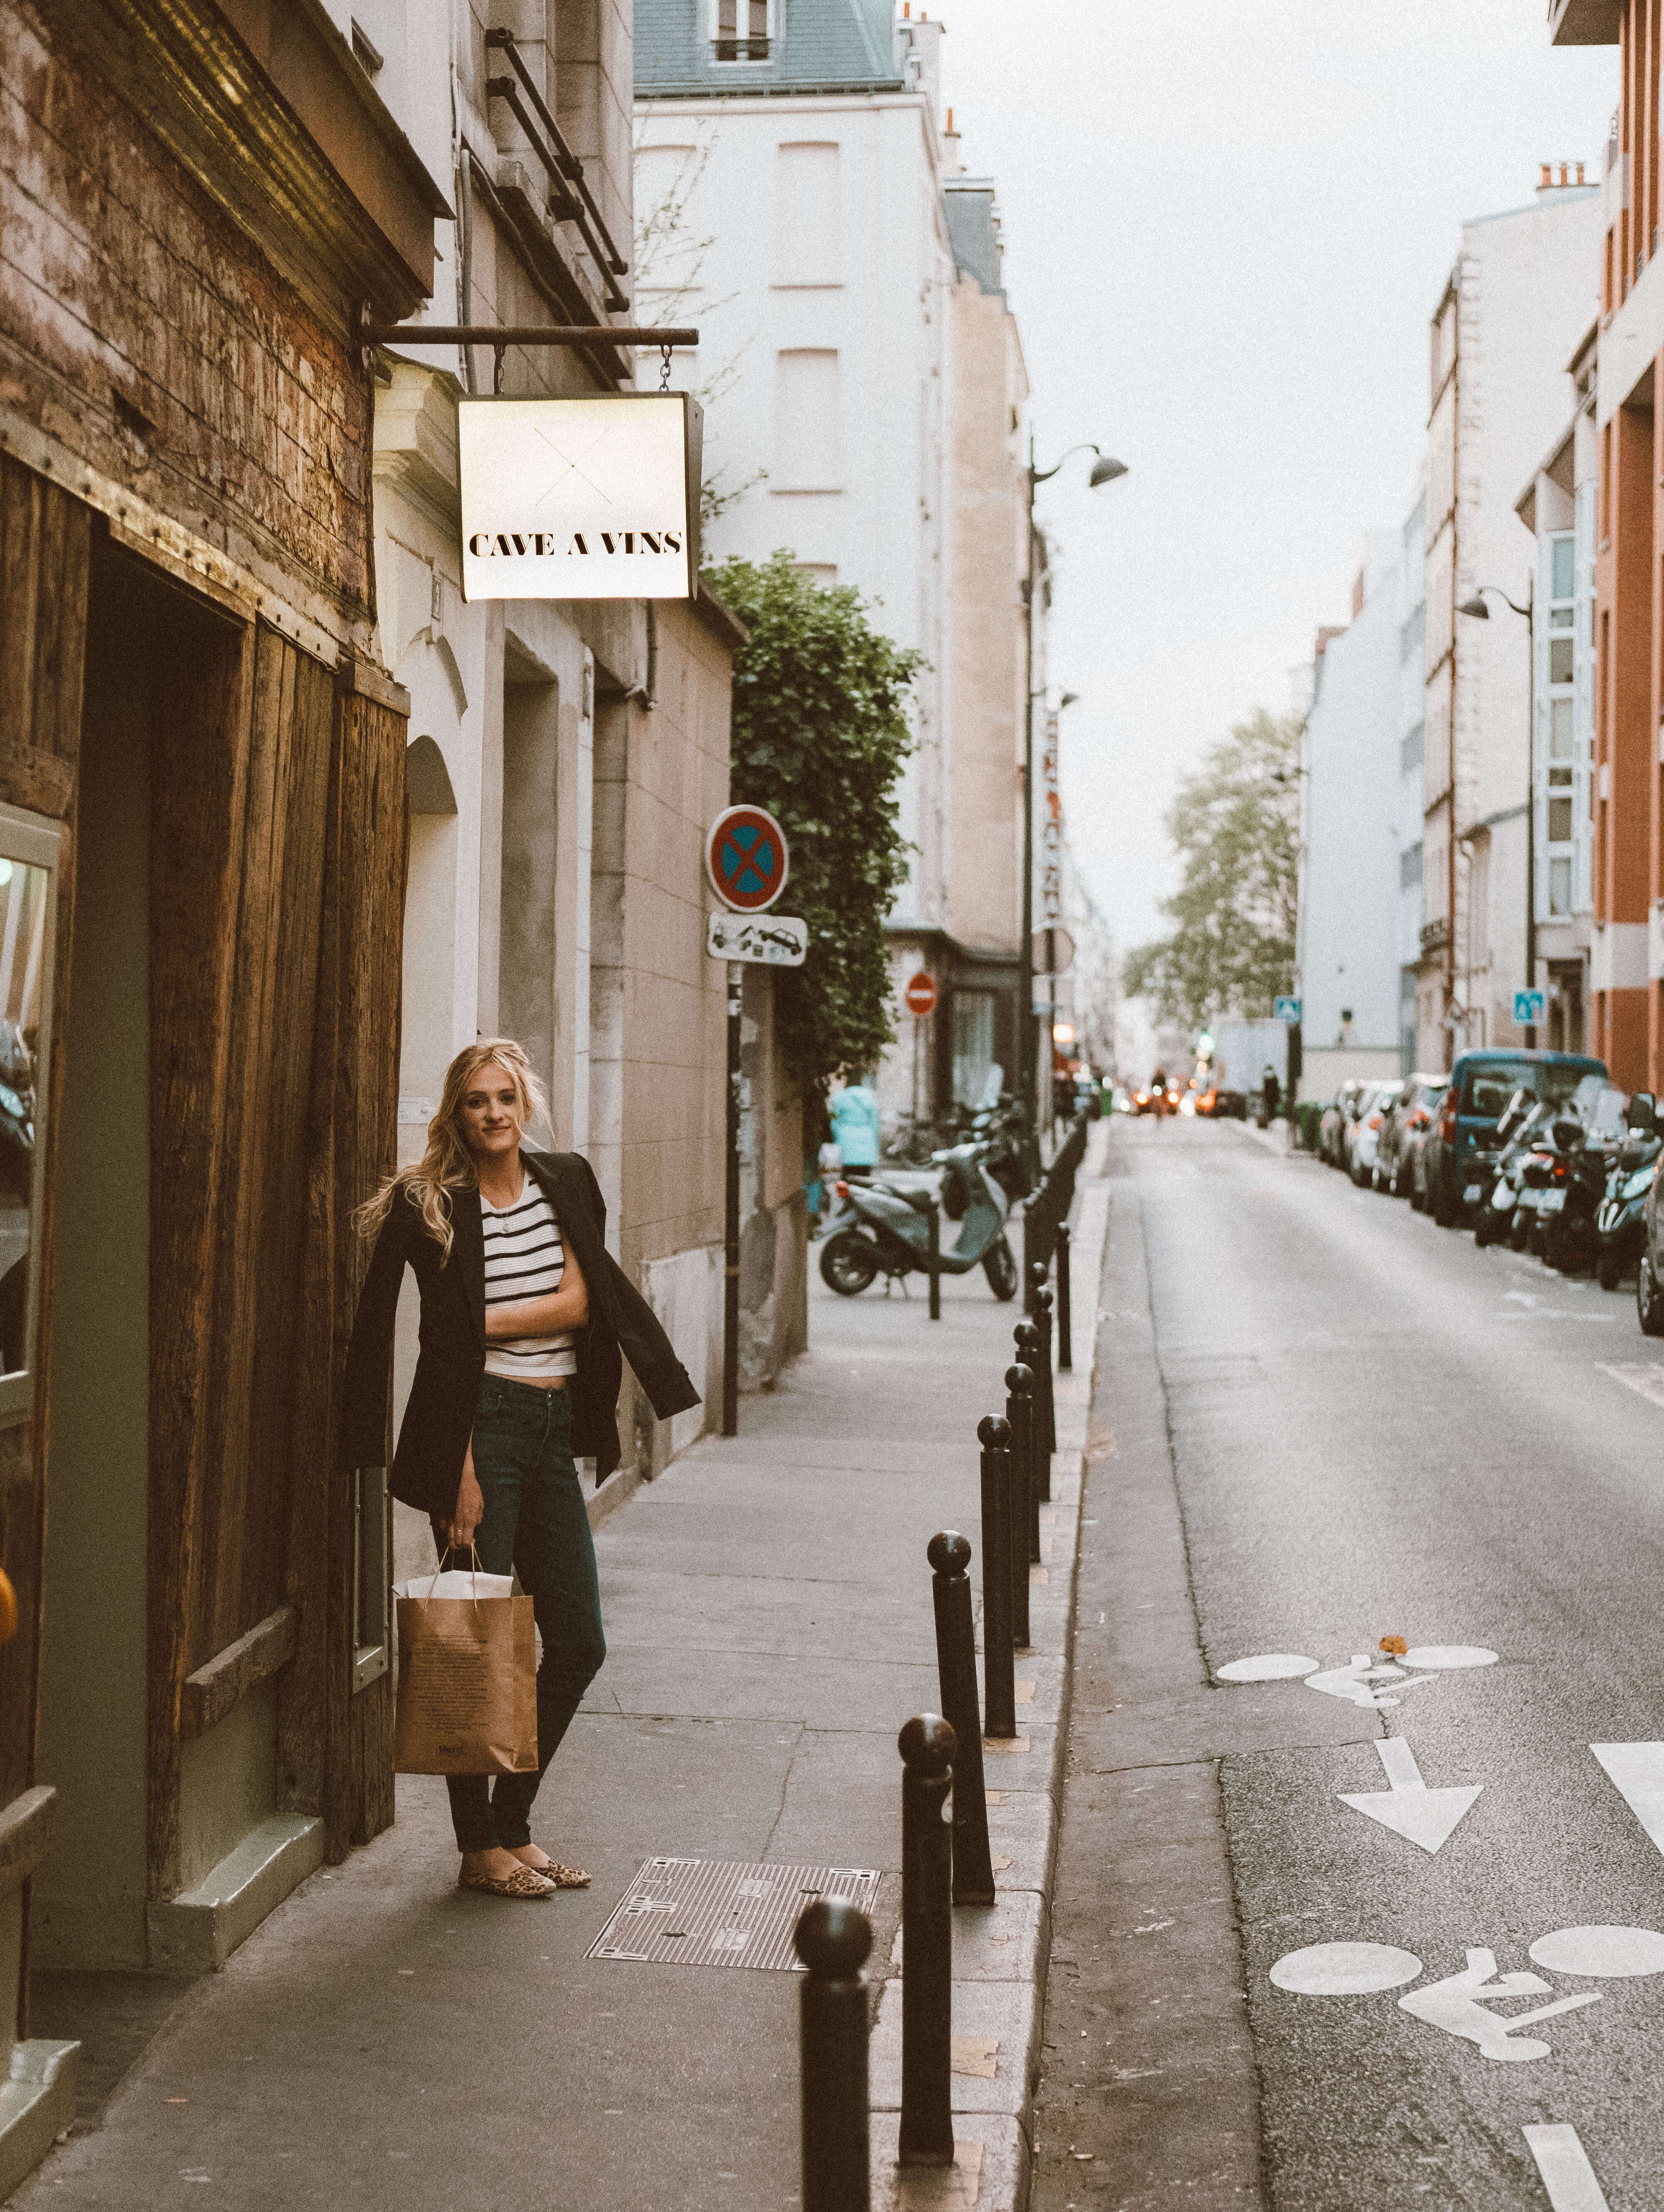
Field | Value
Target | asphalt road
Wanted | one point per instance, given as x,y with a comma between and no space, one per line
1323,1421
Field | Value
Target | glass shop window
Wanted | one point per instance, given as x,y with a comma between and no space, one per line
28,899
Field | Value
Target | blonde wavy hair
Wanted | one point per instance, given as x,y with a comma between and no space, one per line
448,1164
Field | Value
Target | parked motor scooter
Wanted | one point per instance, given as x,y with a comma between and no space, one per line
1567,1210
885,1231
1621,1222
1503,1164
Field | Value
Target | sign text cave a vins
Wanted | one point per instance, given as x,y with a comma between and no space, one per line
580,499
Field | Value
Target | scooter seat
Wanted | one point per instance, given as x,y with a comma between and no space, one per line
918,1200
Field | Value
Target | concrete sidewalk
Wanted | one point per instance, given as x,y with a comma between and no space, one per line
385,2041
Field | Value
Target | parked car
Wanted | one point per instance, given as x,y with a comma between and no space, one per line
1332,1130
1416,1142
1363,1132
1408,1112
1459,1153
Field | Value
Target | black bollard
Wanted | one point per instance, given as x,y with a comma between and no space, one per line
1019,1406
833,1939
949,1554
1000,1692
1031,1352
933,1224
927,1746
1040,1313
1065,1354
1042,1322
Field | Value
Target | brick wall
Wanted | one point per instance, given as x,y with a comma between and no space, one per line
141,328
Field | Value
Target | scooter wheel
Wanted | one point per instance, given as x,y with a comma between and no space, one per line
849,1262
1000,1268
1609,1269
1484,1228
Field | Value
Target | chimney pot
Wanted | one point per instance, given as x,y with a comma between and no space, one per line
1580,173
1547,177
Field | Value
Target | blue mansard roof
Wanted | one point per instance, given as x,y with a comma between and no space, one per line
815,45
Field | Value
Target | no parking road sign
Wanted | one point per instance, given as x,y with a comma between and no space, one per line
920,996
746,859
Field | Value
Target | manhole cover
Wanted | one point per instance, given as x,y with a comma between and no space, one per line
716,1912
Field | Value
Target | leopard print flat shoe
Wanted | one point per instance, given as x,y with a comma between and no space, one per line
563,1877
527,1882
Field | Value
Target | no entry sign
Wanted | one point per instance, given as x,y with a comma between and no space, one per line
920,996
746,859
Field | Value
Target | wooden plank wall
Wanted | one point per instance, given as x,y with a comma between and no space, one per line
336,1748
277,847
45,540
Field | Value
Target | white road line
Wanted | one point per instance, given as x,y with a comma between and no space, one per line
1644,1376
1421,1816
1563,2164
1637,1772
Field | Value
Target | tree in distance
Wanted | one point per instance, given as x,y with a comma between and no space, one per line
820,735
1234,823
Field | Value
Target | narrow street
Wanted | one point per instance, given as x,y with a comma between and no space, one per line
1321,1421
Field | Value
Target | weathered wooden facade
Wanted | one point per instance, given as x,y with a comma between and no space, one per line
202,842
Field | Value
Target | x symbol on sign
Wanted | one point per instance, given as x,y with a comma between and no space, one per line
572,467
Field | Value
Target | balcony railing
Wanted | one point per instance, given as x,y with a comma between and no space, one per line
570,199
742,50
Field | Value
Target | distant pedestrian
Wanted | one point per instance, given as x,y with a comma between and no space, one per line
1270,1092
524,1316
854,1112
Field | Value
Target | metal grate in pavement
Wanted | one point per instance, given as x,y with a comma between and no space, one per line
720,1912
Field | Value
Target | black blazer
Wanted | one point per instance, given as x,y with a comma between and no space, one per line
433,1438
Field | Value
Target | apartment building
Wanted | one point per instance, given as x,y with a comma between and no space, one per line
1412,719
1511,317
566,755
803,200
1347,935
1626,959
1557,507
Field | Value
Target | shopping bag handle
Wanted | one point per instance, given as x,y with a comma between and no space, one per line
445,1552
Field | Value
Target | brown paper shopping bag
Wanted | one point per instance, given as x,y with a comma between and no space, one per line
467,1679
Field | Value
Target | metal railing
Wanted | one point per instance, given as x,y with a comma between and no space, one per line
570,199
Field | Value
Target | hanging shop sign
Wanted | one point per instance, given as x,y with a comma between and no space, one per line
746,858
580,499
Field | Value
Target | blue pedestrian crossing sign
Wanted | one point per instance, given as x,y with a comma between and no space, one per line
1286,1010
746,859
1527,1009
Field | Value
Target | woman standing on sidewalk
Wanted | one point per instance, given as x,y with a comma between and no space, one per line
525,1315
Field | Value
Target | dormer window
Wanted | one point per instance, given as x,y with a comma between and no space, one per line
741,30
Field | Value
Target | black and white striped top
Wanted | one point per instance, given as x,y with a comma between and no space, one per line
524,1259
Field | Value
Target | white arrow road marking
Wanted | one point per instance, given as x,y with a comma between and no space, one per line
1353,1682
1457,2004
1421,1815
1644,1376
1567,2174
1637,1772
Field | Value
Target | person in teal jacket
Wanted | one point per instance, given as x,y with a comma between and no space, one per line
854,1112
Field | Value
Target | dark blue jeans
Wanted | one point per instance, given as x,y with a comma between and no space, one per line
534,1521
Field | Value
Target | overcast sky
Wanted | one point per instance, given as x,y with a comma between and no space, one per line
1226,226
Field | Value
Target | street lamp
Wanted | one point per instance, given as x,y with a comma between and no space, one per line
1477,610
1104,469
